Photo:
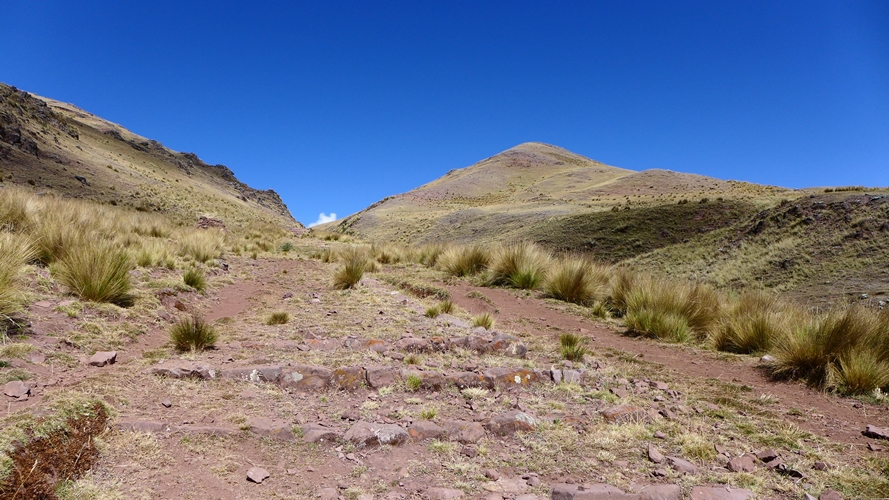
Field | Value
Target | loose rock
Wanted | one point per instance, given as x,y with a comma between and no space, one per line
744,463
443,494
102,358
872,431
368,434
510,423
16,389
257,474
682,465
654,455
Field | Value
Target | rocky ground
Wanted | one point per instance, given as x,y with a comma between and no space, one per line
360,395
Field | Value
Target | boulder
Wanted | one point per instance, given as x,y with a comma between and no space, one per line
462,380
660,492
412,344
744,463
682,465
349,378
314,433
432,381
16,389
510,377
425,429
507,345
872,431
507,486
266,427
183,369
381,376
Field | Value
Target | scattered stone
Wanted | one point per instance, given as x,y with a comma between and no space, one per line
267,427
809,497
830,495
412,344
306,377
875,432
563,491
257,474
660,492
38,358
381,376
257,373
328,494
507,345
349,378
719,493
821,466
287,295
462,380
464,432
682,465
376,345
469,450
661,386
625,414
660,435
314,433
874,447
102,358
507,486
767,455
432,381
443,494
166,403
659,473
744,463
141,426
368,434
425,429
654,455
574,376
510,423
767,359
511,377
620,392
183,369
16,389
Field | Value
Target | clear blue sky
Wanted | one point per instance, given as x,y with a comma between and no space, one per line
338,104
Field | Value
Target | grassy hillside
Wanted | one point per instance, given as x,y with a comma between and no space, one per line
55,147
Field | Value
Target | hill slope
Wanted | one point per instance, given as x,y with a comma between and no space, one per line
57,147
563,200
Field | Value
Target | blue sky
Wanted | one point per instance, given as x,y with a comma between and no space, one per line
336,105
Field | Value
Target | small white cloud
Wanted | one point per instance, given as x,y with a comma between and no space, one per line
323,219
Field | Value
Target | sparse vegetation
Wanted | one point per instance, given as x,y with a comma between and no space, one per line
192,333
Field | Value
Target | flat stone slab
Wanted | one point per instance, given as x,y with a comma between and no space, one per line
314,433
142,426
16,389
306,377
369,434
660,492
719,493
872,431
266,427
256,373
257,474
625,414
425,429
464,432
510,423
102,358
682,465
183,369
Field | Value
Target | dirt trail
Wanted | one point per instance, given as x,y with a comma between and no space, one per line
840,419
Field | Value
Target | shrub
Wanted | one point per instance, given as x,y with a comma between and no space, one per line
286,247
578,280
192,333
195,278
278,318
464,261
572,346
99,272
484,320
520,265
846,349
751,324
14,253
355,263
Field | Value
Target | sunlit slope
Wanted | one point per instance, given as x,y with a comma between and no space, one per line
57,147
561,199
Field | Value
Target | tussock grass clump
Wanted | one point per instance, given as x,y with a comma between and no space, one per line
446,306
429,253
623,283
195,278
845,349
484,320
389,253
578,280
751,324
16,210
672,311
432,312
572,346
192,333
203,245
14,253
99,272
464,261
520,265
278,318
355,262
413,383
